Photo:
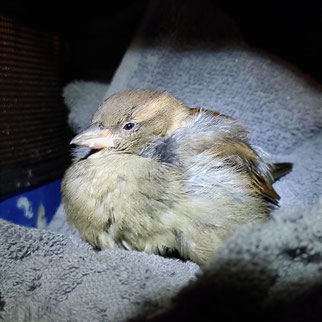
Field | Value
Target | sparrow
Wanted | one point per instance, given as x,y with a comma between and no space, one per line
160,177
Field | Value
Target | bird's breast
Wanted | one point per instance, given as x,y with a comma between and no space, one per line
125,195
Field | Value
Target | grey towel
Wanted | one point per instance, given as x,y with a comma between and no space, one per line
271,272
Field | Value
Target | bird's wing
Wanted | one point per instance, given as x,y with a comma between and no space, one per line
239,154
218,137
235,150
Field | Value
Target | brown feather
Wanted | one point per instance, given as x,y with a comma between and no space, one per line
195,111
241,155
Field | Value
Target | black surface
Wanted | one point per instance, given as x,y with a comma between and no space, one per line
98,33
289,29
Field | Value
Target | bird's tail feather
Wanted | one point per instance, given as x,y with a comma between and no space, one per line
281,169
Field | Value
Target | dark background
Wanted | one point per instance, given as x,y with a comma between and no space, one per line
97,33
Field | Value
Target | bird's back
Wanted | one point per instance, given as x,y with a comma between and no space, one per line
212,150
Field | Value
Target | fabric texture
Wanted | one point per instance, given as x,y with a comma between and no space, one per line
48,277
269,272
82,99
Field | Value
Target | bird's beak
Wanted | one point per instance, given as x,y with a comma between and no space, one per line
94,137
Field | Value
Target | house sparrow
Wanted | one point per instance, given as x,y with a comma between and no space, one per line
161,177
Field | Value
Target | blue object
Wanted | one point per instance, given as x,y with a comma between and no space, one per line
34,208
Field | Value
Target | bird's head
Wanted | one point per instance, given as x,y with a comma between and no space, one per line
130,120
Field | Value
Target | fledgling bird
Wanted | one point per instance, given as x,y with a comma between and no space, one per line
161,177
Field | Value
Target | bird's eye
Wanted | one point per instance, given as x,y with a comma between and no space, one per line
128,126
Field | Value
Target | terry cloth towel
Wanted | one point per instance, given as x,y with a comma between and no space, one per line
269,273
